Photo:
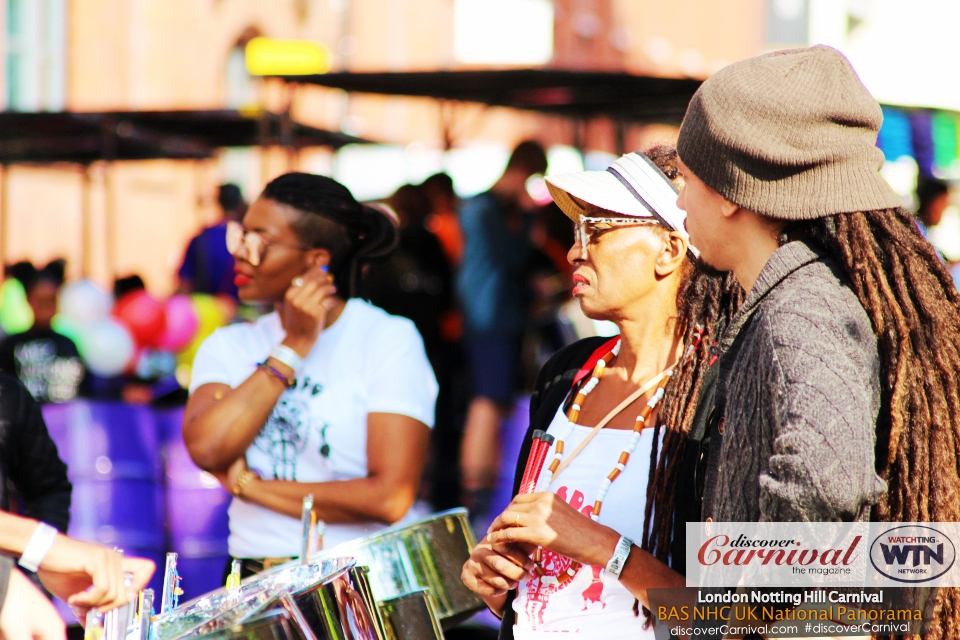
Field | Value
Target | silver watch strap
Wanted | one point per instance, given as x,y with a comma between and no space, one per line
620,555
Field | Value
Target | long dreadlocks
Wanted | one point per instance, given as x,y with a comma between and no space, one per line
914,308
705,303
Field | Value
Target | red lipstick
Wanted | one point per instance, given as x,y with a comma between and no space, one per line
579,283
240,279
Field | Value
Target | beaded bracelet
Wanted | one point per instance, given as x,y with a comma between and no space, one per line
287,382
245,478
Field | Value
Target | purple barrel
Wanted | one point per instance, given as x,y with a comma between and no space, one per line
112,454
196,513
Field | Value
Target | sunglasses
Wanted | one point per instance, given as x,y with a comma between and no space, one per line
253,242
588,228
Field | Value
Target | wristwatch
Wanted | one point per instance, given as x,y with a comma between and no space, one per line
620,555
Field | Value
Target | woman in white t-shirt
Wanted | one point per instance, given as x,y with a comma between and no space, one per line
328,395
576,552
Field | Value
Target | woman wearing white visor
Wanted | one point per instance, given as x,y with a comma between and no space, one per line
581,542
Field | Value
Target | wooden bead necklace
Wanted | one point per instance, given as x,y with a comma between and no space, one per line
573,415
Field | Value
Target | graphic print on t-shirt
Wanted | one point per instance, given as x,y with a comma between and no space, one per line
540,588
286,434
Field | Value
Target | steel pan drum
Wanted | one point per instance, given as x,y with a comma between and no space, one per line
322,589
428,554
276,624
411,617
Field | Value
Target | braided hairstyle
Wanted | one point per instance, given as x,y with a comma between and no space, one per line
29,275
706,300
914,308
332,218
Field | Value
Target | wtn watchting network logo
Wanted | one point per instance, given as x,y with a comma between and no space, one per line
912,553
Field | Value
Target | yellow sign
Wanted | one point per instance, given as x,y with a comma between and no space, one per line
273,57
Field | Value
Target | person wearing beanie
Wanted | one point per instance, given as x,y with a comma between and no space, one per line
837,395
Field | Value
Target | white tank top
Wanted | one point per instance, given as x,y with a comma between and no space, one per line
593,602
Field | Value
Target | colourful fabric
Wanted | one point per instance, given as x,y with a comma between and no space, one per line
921,128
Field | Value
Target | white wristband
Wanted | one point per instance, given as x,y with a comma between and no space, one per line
38,546
620,555
284,354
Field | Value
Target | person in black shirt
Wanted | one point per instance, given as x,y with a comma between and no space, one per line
29,460
47,362
415,281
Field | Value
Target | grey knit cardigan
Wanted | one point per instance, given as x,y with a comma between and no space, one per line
801,397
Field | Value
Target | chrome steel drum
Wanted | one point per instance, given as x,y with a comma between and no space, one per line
411,617
428,554
223,609
338,609
276,624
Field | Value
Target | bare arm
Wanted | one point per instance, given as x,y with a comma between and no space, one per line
396,452
71,567
220,423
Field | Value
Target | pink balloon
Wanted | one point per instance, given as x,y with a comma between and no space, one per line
182,324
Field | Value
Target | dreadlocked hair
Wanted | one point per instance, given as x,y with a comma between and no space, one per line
331,218
914,308
705,303
706,300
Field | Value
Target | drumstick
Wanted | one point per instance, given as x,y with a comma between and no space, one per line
146,613
541,457
530,458
307,521
538,457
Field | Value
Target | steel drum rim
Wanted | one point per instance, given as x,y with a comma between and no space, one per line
344,564
263,586
398,528
338,550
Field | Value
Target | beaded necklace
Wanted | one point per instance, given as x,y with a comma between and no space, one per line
574,414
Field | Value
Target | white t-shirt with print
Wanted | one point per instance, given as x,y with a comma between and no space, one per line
593,602
368,361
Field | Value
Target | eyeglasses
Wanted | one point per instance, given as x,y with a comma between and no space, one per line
587,228
252,241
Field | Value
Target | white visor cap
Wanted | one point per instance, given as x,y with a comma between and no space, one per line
632,186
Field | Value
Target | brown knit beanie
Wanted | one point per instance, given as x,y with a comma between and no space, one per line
790,135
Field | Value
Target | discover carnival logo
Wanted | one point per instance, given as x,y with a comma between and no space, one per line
913,553
822,554
743,551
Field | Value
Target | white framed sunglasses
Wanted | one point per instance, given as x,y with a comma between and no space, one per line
253,242
587,227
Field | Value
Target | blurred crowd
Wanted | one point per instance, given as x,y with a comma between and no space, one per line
485,279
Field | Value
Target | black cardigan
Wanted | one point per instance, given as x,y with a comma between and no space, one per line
554,383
